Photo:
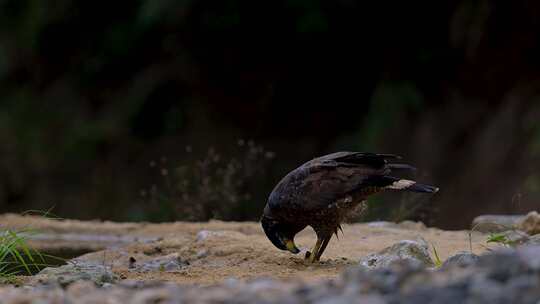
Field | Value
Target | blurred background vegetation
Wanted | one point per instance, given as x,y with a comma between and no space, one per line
193,109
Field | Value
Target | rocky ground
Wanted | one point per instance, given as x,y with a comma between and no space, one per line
219,262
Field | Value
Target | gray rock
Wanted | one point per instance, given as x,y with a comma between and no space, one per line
533,240
77,271
12,295
157,295
496,223
205,234
503,276
531,223
201,254
80,289
485,291
414,251
340,299
431,294
461,259
530,255
168,263
516,237
409,225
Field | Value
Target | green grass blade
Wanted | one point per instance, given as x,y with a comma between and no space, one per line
438,261
18,257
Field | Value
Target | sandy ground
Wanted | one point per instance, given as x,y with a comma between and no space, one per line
228,249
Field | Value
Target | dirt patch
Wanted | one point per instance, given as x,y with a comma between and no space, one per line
216,251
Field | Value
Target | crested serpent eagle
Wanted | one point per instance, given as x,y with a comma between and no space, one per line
324,191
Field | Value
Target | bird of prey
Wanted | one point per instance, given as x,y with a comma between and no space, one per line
324,191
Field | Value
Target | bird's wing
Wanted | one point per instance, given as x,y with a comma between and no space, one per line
332,177
372,160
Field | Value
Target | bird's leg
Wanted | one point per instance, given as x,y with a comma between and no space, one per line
325,242
319,248
310,256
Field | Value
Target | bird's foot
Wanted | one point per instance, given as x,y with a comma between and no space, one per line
310,257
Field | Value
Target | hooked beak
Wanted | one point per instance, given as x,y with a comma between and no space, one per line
291,246
281,238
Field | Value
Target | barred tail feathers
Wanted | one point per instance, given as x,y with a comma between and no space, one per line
409,185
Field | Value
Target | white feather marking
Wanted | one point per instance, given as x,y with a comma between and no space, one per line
401,184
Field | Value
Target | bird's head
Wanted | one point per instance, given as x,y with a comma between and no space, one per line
280,234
